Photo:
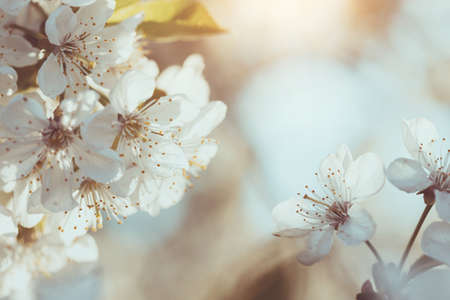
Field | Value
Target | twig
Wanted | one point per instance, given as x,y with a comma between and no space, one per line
429,200
374,251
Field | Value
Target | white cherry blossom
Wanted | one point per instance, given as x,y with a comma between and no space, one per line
155,192
430,166
139,128
82,46
143,131
95,201
160,187
332,207
53,148
38,251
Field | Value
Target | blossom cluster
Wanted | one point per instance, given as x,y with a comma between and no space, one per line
100,133
333,208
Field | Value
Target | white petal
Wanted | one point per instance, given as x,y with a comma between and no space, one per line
34,203
4,132
7,225
344,155
166,158
147,66
443,205
23,116
78,2
8,83
76,81
286,217
30,220
108,79
60,25
436,241
146,193
72,224
53,259
24,190
365,176
17,280
329,165
291,233
84,249
208,119
433,284
93,17
359,228
172,190
17,159
172,111
387,278
101,129
17,51
132,89
126,185
166,79
418,133
187,80
124,36
201,155
76,110
13,7
56,192
408,175
50,77
319,245
100,165
124,206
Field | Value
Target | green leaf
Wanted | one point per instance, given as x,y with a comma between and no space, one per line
124,3
155,11
169,20
192,22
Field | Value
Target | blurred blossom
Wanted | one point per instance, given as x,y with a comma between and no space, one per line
35,251
309,105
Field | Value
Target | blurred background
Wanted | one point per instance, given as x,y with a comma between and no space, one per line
299,77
